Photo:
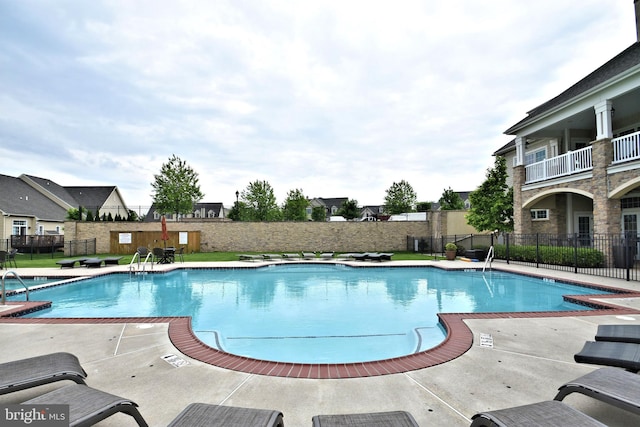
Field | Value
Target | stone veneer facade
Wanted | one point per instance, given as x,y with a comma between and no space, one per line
264,236
599,182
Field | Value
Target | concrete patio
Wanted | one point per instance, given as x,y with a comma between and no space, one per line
529,360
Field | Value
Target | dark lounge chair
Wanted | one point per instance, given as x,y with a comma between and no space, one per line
88,406
373,419
112,260
551,413
250,257
34,371
68,263
11,258
92,262
619,354
180,254
376,256
614,386
326,255
619,333
204,415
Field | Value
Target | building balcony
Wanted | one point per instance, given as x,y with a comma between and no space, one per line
625,148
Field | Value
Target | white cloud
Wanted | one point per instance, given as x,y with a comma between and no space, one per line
340,99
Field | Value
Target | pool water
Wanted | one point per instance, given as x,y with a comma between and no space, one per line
13,284
310,313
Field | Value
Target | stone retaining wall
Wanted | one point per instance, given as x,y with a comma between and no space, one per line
382,236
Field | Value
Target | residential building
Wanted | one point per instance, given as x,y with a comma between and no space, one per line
373,213
200,211
464,196
331,205
574,163
38,206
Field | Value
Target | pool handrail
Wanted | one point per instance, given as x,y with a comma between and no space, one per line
137,256
4,298
488,259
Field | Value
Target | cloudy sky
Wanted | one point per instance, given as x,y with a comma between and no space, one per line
337,98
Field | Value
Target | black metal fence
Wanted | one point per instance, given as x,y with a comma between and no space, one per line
80,247
436,245
37,244
605,255
54,245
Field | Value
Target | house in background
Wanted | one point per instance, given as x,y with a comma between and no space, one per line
200,211
101,200
464,195
331,206
38,206
373,213
575,161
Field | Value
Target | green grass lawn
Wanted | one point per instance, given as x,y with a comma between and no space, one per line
46,260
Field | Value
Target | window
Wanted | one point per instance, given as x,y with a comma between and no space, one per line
19,227
535,156
630,202
539,214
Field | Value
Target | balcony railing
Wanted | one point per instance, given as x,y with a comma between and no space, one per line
626,148
564,164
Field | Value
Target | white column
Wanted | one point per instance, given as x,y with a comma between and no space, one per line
603,119
519,151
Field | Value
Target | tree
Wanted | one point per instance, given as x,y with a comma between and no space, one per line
492,203
318,213
133,216
235,213
73,214
400,198
260,202
450,201
295,206
349,209
176,188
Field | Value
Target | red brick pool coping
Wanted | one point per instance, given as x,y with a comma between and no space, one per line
459,339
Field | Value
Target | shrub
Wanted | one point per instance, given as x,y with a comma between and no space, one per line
450,247
553,255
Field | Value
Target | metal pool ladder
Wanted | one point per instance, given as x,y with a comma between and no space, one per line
4,298
135,257
488,259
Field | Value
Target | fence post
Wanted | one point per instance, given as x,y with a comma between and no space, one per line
537,250
507,246
575,253
627,264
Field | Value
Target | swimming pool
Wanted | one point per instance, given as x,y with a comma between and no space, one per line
310,313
